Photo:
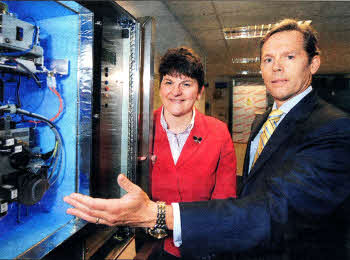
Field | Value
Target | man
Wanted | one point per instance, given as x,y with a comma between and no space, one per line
296,185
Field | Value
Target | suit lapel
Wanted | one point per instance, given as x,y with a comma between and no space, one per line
161,139
285,129
282,132
190,147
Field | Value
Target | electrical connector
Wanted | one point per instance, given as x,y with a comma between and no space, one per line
3,207
51,80
8,192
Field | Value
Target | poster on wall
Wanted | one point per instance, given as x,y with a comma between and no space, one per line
249,99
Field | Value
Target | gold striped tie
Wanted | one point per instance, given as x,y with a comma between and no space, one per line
268,127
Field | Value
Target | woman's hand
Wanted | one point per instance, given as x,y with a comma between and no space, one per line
133,209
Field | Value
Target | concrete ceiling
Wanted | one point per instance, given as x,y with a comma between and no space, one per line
205,21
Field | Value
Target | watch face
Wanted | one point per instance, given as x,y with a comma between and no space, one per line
158,233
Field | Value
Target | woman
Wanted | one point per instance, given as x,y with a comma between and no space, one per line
194,158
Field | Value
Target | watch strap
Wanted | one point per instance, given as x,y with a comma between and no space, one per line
161,210
160,228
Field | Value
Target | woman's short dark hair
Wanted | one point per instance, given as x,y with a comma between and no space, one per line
182,61
310,35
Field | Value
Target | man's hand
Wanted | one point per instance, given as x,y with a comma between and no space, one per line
133,209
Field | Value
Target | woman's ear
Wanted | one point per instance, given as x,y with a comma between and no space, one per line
200,93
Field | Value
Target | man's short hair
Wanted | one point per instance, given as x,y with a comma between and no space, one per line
182,61
309,33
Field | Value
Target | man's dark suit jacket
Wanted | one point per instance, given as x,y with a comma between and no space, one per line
293,203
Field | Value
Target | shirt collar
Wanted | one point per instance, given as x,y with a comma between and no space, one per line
165,125
288,105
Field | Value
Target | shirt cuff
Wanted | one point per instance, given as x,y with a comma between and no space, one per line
177,225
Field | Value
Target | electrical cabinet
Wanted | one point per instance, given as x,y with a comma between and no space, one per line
45,121
76,81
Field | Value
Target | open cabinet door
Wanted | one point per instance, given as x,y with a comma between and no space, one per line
144,166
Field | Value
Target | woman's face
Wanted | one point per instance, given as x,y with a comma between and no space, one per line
178,94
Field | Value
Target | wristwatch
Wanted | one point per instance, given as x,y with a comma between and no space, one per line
160,230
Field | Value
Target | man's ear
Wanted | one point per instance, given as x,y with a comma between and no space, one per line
315,64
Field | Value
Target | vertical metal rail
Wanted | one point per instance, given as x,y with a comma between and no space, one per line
144,166
134,92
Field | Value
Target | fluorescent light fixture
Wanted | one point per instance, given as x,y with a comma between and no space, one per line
251,31
247,72
245,60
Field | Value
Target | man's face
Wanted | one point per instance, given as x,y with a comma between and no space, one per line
178,94
285,67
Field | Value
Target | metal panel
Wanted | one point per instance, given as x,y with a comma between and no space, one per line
113,83
51,242
116,97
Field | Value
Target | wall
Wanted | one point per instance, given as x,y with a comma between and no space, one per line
219,98
335,89
169,34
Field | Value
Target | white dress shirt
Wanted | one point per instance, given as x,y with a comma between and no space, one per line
177,141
